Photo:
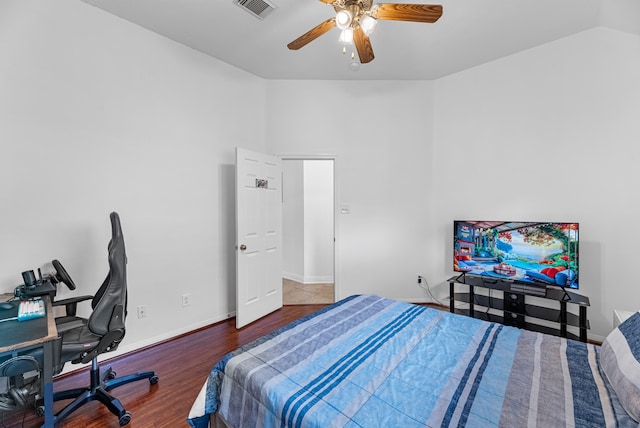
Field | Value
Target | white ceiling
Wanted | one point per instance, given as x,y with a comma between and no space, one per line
469,33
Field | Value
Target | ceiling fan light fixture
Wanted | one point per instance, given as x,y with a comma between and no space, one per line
357,19
368,24
343,19
346,36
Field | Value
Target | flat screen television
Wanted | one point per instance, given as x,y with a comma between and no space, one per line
543,253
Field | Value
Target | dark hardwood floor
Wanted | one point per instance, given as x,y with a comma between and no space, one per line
182,365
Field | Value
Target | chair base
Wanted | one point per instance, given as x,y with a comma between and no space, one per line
99,390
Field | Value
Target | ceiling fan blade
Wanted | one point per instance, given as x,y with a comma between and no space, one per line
363,45
312,34
408,12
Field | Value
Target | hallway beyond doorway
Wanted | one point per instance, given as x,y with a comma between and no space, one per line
296,293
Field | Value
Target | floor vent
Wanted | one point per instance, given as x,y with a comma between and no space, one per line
258,8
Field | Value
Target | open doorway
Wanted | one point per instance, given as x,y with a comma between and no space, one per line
308,242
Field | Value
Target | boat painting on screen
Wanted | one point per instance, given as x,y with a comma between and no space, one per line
536,252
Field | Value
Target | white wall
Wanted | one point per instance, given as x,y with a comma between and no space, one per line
99,115
318,221
381,135
293,220
307,216
555,128
548,134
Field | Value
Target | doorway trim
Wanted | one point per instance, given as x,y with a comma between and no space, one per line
336,283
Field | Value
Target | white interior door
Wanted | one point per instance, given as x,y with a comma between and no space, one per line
258,235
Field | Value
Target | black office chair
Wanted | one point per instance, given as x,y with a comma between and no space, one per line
83,339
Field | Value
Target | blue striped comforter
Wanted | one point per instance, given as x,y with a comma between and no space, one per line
367,361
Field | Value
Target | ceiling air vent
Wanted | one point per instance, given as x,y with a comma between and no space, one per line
258,8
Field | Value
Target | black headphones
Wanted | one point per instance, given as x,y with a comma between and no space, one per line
20,392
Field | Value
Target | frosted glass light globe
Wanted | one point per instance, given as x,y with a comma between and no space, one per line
368,24
343,19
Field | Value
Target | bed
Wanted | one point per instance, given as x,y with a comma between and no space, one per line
368,361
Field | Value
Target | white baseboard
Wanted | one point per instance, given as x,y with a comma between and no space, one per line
293,277
308,279
318,280
131,347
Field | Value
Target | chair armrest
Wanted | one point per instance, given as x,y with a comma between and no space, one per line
71,303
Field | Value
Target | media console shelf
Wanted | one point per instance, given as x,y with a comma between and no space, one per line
511,307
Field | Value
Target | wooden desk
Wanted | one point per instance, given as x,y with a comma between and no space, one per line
17,336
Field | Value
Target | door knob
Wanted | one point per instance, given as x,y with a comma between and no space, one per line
243,247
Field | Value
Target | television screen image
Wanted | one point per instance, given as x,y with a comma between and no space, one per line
544,253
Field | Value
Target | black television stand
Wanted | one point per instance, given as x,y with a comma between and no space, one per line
544,312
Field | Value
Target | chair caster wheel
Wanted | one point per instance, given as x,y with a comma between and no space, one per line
40,411
125,419
153,380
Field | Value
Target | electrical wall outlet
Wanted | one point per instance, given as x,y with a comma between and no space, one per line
186,300
142,311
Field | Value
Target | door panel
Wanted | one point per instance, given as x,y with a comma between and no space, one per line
258,235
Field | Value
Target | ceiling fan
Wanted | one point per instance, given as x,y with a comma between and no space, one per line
358,18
